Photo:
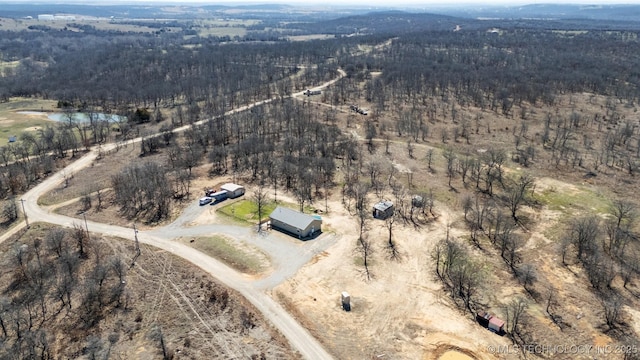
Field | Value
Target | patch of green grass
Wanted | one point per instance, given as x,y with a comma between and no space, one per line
15,128
222,249
12,123
584,200
247,210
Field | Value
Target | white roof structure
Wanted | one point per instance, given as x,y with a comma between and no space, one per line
292,217
231,187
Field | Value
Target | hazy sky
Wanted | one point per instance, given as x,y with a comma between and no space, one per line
388,3
385,3
424,5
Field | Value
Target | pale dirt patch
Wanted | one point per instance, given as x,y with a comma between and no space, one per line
635,317
402,313
454,355
545,183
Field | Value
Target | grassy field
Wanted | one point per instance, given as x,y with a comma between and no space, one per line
12,123
247,210
222,31
224,250
576,202
100,24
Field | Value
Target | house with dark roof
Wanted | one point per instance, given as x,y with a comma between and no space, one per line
295,223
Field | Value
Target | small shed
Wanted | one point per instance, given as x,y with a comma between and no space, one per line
496,325
295,223
383,210
233,190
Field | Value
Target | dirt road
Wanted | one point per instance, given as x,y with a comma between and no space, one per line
253,291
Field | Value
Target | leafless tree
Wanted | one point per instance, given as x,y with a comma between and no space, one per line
450,157
392,247
612,310
518,194
583,232
527,275
86,201
515,311
10,210
80,236
429,158
260,198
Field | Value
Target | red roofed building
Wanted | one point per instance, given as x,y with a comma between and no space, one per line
496,324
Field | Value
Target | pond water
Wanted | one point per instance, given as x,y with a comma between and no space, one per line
84,117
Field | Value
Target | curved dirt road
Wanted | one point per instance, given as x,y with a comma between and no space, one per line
298,336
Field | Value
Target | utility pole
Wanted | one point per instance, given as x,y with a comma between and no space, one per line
137,245
26,219
85,225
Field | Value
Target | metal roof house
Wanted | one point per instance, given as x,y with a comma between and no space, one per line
383,210
233,190
295,223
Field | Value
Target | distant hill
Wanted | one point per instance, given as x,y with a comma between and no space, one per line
398,22
385,22
549,11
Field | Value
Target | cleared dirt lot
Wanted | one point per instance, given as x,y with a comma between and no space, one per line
402,313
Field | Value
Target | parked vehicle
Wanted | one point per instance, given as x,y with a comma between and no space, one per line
209,192
312,92
205,200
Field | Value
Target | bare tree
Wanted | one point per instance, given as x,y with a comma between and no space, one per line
260,199
583,233
528,276
429,159
612,310
10,210
394,254
410,148
81,237
450,157
518,193
515,312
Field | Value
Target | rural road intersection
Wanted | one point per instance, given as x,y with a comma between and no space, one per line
285,262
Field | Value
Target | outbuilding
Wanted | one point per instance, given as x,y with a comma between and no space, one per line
490,322
295,223
496,325
383,210
233,190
